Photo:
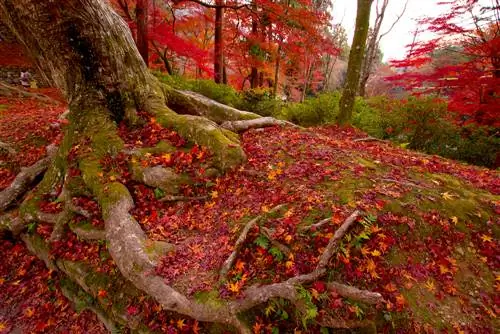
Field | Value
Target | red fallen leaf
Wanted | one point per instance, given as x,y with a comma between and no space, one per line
319,286
132,310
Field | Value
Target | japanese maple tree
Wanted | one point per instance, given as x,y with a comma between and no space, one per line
470,33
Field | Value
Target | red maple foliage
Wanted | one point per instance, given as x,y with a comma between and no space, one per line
469,32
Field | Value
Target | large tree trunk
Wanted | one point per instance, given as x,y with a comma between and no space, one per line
88,52
346,103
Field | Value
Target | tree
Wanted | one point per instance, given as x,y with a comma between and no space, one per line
88,52
373,44
470,79
346,103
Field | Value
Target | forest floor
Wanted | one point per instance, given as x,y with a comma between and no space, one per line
427,240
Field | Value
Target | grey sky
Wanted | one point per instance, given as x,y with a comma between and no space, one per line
393,45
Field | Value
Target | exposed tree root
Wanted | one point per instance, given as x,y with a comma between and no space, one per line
7,148
22,182
171,198
268,233
317,225
240,241
354,293
191,103
369,138
243,125
8,90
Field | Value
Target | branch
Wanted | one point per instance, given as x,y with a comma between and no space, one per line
239,243
395,22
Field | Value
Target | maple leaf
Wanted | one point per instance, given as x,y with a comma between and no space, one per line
447,196
443,269
390,287
269,309
102,293
486,238
400,301
233,287
376,252
214,194
257,327
180,324
2,280
29,312
289,264
365,250
454,220
195,328
429,285
3,326
240,265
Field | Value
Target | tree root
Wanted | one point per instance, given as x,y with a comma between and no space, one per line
243,125
240,241
317,225
8,90
191,103
7,148
22,182
369,138
268,233
171,198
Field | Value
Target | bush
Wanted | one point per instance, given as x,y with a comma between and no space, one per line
423,123
260,101
322,109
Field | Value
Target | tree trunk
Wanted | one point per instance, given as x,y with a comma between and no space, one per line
218,43
254,73
277,71
346,103
141,16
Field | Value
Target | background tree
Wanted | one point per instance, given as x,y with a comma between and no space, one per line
373,53
356,55
471,80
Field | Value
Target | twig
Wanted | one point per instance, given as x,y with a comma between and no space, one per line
239,243
404,183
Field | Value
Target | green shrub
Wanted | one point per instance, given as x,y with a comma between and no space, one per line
322,109
260,101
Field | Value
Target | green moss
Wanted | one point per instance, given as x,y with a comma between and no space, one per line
227,153
345,190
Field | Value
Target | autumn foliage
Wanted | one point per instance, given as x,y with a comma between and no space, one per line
460,63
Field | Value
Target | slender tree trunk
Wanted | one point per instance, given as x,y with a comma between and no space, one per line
277,71
346,103
218,43
254,73
141,15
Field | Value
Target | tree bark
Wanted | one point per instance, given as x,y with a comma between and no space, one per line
346,103
218,43
141,15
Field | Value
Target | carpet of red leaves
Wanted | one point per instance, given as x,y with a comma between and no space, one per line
420,258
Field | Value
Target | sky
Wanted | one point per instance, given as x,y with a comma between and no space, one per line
392,45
